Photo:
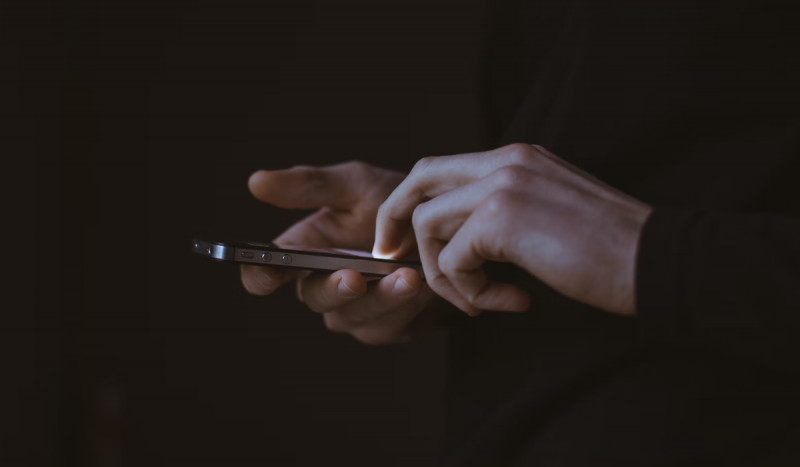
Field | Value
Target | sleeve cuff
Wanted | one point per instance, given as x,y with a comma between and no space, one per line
661,294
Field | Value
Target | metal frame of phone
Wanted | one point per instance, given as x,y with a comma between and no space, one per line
273,255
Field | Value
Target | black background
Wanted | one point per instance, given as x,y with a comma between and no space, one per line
138,125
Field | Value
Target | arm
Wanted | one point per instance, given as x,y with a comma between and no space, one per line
729,282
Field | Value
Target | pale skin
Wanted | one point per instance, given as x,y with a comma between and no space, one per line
518,203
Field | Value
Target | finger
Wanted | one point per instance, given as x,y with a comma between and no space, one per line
259,280
389,294
327,228
313,230
402,324
321,229
462,262
429,249
302,187
431,177
441,217
299,285
324,293
436,221
427,180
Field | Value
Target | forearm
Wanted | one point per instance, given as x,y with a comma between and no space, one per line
723,280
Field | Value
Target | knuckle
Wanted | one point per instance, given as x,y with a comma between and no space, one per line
512,175
499,202
304,169
358,168
309,175
334,323
419,217
523,154
423,163
439,282
448,266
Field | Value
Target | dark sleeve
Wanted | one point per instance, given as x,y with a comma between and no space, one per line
729,282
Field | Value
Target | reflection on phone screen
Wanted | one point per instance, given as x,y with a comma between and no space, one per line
334,251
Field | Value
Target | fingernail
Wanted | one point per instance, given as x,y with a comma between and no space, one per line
376,253
401,287
345,290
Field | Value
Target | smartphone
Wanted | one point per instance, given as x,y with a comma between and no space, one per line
300,257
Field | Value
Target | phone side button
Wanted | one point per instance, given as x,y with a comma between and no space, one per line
247,254
286,259
266,257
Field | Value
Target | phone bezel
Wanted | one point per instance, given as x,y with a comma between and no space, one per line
299,259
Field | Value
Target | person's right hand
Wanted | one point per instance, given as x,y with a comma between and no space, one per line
392,309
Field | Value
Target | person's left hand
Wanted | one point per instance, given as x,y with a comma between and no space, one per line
518,204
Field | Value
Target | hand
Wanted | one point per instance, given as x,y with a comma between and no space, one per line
518,204
347,196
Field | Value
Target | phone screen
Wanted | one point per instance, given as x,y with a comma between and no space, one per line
330,251
310,249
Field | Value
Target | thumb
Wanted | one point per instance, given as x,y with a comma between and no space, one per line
303,187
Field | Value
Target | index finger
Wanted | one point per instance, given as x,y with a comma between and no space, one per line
431,177
302,187
462,262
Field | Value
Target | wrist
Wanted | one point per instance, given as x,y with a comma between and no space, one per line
624,302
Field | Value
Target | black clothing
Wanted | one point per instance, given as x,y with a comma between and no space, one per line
694,108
